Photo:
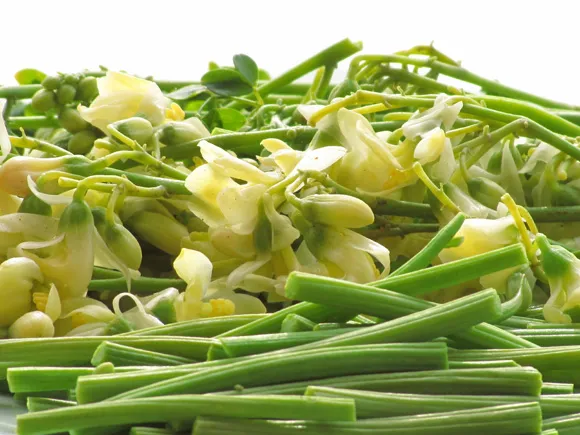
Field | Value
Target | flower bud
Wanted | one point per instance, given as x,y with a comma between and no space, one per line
34,205
161,231
17,276
71,120
87,89
34,324
43,101
119,239
66,94
51,83
175,133
337,210
82,142
485,191
138,129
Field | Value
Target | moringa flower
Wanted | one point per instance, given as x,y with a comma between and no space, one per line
18,276
123,96
421,123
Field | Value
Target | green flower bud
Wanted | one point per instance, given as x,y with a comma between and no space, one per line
485,191
43,101
87,89
342,211
344,89
82,142
119,325
71,79
35,324
161,231
494,163
72,121
138,129
556,260
165,311
34,205
175,133
66,94
51,83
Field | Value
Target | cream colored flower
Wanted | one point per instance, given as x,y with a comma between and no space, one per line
123,96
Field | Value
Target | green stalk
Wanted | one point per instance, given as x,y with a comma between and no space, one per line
37,404
248,143
122,355
393,207
286,367
424,257
78,351
273,322
296,323
104,273
256,344
183,408
557,388
19,92
559,405
543,359
370,404
101,387
387,304
453,273
518,322
546,325
145,430
138,285
516,381
550,337
32,122
565,425
490,86
203,327
514,419
482,364
38,379
327,57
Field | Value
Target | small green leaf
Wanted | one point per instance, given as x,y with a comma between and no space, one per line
212,65
193,105
226,82
231,119
29,76
263,74
247,68
187,92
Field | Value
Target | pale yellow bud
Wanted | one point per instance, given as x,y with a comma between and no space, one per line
17,277
14,172
34,324
159,230
337,210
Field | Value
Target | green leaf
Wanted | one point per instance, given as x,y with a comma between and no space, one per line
226,82
246,67
212,65
263,74
29,76
231,119
187,92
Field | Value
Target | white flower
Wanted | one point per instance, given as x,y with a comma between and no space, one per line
17,276
123,96
440,114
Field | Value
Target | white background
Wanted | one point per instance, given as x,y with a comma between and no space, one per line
531,45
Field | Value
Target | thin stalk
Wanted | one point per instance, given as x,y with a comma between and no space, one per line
545,337
286,367
187,407
463,365
143,285
122,355
438,321
557,388
513,419
387,304
37,404
32,122
456,272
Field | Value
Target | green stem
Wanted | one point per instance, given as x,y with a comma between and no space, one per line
438,321
387,304
557,388
37,144
122,355
424,257
464,365
524,381
204,327
183,408
456,272
19,92
32,122
370,404
138,285
514,419
545,337
37,404
289,366
296,323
